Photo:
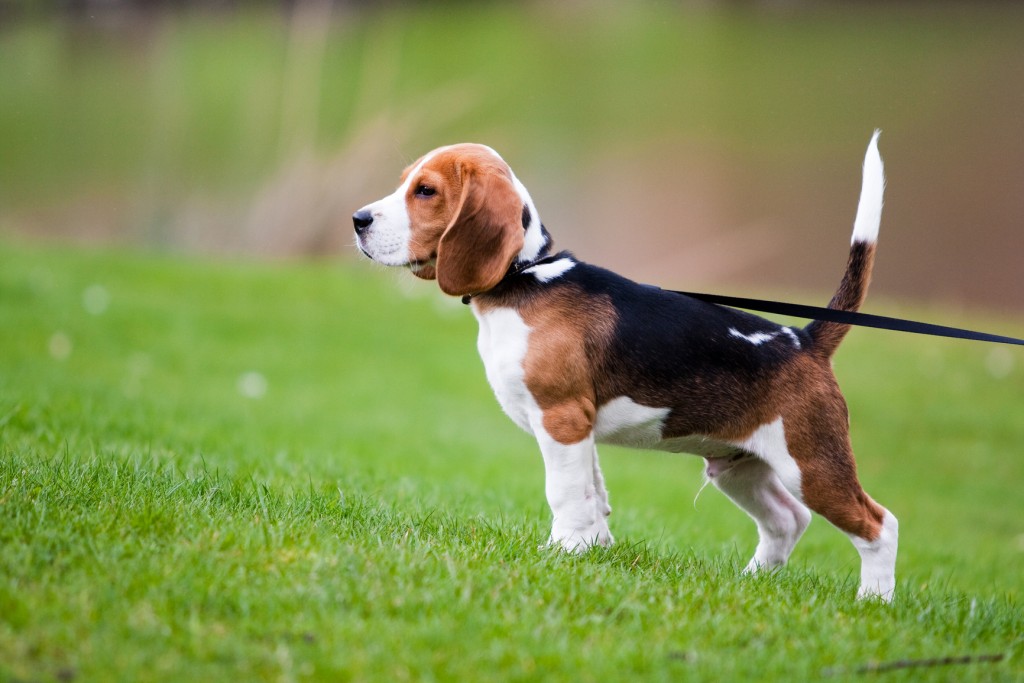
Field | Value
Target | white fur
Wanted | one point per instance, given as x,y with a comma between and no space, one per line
792,336
502,343
533,240
766,487
574,485
546,272
575,492
625,422
878,561
768,442
869,209
781,519
758,338
387,242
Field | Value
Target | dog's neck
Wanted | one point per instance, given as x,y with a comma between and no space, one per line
536,239
530,256
521,264
537,243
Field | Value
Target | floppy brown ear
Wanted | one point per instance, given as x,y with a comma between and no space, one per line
485,235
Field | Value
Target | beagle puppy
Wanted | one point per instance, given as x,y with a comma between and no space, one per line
578,355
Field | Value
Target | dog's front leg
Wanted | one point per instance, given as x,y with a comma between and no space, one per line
604,507
575,491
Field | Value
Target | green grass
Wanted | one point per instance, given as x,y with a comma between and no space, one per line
234,471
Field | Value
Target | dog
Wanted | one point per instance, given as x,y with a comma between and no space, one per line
578,355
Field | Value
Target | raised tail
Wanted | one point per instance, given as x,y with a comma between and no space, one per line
854,286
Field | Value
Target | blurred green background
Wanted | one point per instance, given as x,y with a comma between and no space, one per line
187,333
697,144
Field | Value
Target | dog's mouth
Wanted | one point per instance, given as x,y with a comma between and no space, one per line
386,258
424,269
421,268
417,266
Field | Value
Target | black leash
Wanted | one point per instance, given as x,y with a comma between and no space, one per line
850,318
831,315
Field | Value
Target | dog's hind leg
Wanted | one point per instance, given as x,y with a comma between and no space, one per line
781,519
828,485
831,489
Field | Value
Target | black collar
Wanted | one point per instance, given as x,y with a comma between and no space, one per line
514,270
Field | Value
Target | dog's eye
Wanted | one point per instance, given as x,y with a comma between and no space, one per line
425,191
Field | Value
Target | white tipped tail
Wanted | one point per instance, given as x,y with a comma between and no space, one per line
869,209
854,286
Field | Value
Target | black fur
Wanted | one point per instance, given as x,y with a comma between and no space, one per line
668,349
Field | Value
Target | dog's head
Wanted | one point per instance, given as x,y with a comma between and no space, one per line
459,216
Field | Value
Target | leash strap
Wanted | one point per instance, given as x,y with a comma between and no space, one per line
850,318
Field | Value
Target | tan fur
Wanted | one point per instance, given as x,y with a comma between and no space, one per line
817,436
565,348
472,231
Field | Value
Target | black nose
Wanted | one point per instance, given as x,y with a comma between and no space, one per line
362,220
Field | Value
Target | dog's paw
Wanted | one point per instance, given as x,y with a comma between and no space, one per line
882,591
580,540
761,565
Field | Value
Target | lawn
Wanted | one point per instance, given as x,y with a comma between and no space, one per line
217,470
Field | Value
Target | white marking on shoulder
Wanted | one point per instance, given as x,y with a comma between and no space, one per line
768,442
546,272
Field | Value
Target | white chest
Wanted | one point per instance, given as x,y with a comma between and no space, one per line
502,343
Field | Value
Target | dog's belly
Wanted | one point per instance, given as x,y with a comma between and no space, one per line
624,422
